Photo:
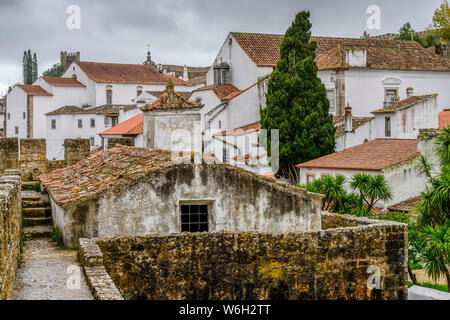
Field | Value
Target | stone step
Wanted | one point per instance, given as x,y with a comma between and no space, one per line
37,232
38,221
32,203
29,185
30,195
37,212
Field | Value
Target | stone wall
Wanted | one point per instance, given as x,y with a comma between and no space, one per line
10,229
32,161
9,153
335,263
122,141
76,150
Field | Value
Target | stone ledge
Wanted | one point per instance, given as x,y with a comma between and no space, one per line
101,285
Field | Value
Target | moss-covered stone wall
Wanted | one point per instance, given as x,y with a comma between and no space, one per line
10,229
336,263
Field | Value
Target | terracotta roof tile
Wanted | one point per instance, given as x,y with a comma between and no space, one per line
103,109
63,82
249,128
126,73
444,118
34,90
223,92
374,155
169,100
134,125
264,50
408,102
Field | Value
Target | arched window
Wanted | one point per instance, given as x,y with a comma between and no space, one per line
221,74
108,94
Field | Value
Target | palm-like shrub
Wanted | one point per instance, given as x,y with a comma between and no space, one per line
372,188
436,251
332,188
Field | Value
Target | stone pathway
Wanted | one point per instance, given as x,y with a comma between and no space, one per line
46,272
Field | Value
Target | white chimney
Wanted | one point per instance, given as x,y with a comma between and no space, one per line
185,73
121,114
348,125
409,92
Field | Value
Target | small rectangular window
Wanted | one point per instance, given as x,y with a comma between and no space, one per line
16,130
53,124
92,142
310,178
24,115
387,127
80,123
225,158
194,218
9,116
109,96
92,123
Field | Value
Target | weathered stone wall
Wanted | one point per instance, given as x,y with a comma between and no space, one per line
9,153
10,229
335,263
32,160
237,200
122,141
76,150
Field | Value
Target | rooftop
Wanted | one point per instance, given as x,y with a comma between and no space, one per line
264,51
33,90
102,171
169,100
131,126
126,73
403,104
444,118
63,82
357,122
103,109
223,92
374,155
249,128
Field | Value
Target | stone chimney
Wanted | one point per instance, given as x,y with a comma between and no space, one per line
409,92
185,73
348,124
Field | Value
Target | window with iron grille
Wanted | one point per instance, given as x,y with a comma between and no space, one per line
194,218
109,96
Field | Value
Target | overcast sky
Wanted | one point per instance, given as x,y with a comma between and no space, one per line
178,31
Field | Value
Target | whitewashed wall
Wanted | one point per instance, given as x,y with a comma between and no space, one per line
16,102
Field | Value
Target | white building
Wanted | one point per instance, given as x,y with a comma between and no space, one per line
84,87
393,158
401,120
364,73
131,128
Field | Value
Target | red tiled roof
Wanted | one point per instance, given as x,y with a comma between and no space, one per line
408,102
134,125
374,155
264,50
223,92
356,123
34,90
64,82
170,99
126,73
249,128
444,118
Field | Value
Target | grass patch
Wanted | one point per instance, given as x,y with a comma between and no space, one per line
440,287
35,187
24,222
56,238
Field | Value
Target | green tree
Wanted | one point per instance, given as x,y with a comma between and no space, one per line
372,188
436,251
30,69
297,103
441,21
332,188
406,32
55,71
365,35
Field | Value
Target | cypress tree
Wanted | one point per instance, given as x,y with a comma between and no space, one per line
297,102
24,67
35,68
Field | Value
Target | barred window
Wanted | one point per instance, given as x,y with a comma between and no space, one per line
194,218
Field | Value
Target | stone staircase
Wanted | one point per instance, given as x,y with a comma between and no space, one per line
37,213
